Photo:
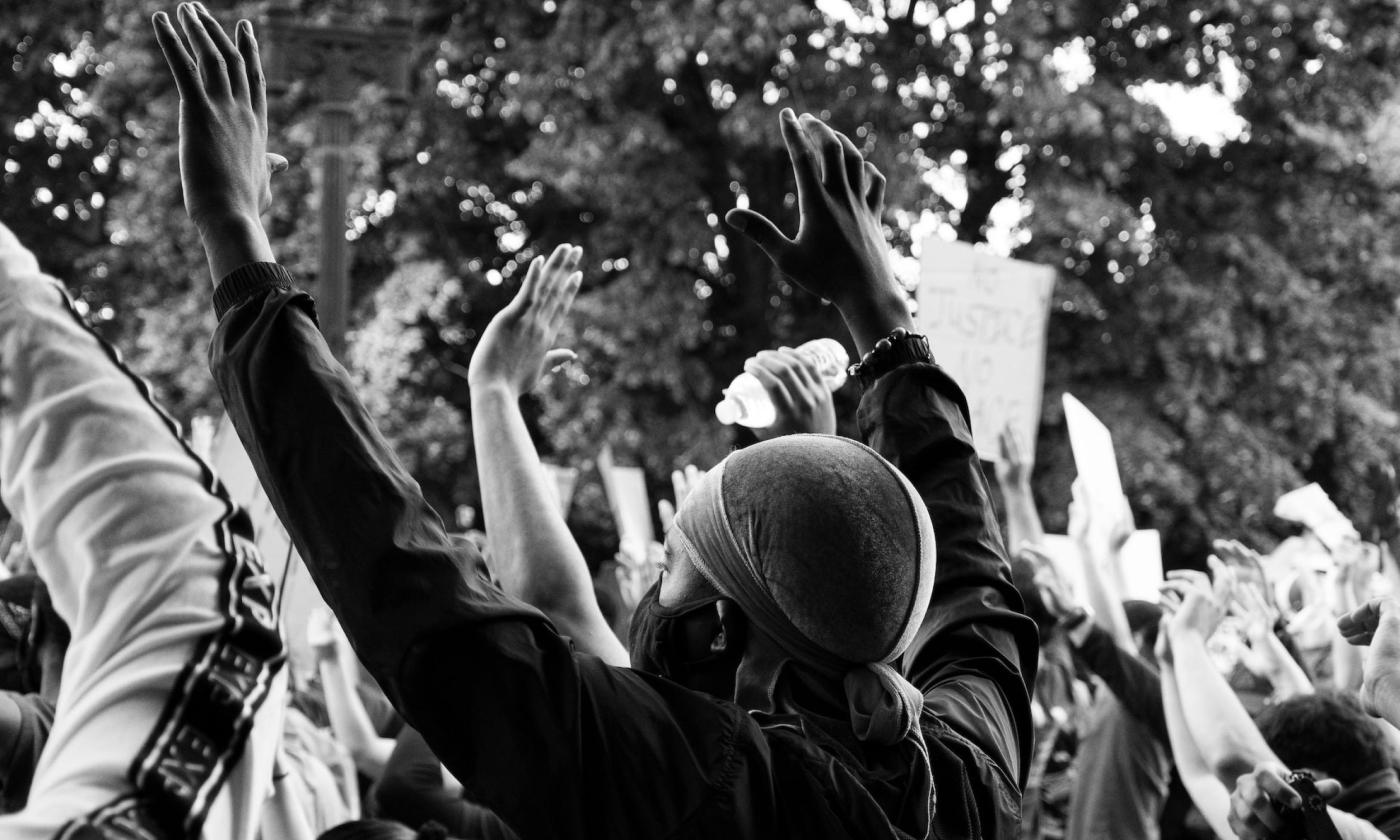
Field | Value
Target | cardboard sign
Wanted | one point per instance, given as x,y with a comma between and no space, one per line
1314,509
986,317
561,484
1093,456
626,488
1140,565
299,595
1069,563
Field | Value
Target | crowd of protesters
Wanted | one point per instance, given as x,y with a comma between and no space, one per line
837,638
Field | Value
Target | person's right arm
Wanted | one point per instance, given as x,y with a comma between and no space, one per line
498,693
1014,476
975,655
1377,624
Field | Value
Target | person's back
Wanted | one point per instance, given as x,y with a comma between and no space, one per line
562,745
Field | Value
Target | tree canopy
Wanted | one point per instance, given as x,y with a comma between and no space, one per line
1226,300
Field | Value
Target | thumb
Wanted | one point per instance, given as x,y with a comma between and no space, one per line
760,230
554,358
1328,788
276,163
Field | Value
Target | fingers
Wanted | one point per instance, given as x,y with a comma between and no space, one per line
760,230
855,165
182,66
525,298
806,166
1273,783
1251,812
667,514
1358,627
776,386
212,67
875,196
252,69
833,157
232,56
554,358
1194,579
558,285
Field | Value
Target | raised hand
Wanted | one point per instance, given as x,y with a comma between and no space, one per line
1377,623
514,351
800,398
224,165
638,570
1197,607
1261,797
1014,468
1054,591
839,251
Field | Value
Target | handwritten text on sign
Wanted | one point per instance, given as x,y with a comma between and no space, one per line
985,317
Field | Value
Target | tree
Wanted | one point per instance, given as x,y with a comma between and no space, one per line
1228,306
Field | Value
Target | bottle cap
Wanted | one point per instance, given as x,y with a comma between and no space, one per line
728,411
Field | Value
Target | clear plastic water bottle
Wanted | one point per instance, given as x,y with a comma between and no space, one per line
746,401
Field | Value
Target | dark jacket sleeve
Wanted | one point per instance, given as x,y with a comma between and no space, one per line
975,655
1136,685
412,792
559,745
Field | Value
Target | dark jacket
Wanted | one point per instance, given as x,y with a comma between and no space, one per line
557,743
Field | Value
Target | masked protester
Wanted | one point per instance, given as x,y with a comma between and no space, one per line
812,671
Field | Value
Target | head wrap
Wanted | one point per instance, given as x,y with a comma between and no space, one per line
828,550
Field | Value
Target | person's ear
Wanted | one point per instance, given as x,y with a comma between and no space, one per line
732,627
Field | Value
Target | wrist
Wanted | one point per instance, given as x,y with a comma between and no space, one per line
872,318
231,240
492,386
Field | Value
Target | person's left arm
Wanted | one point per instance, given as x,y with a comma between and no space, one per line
533,555
1219,723
1136,685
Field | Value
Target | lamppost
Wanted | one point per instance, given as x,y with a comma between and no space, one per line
336,59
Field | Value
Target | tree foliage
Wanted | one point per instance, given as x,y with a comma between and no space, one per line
1227,305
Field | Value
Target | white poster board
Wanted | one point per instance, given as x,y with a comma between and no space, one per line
299,594
986,317
1140,565
627,496
1313,508
1094,458
561,484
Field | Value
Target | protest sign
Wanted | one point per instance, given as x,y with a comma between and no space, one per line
626,488
1094,458
1140,566
1313,508
561,484
298,595
985,317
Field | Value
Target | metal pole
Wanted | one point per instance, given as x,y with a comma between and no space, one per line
333,291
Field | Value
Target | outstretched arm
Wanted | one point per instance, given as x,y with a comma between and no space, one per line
1014,475
975,656
1220,726
495,690
533,555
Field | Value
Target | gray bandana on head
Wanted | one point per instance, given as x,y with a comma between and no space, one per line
829,552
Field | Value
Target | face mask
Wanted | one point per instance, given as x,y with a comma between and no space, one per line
677,642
